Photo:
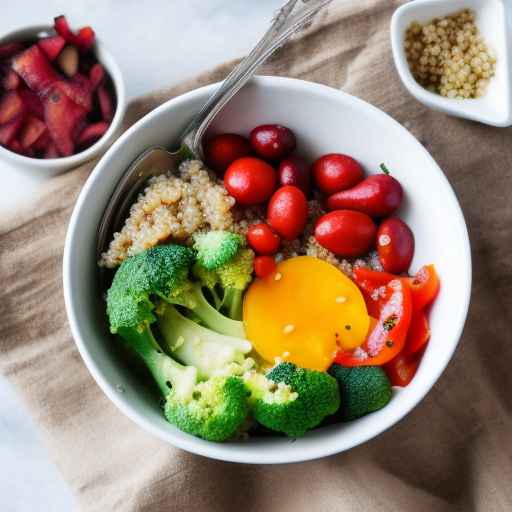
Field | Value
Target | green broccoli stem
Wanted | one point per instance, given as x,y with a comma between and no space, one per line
166,372
213,319
232,303
217,301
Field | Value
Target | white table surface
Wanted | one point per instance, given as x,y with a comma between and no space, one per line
157,43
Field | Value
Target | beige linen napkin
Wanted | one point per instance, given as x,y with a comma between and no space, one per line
453,452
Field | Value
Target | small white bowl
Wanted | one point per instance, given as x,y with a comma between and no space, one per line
495,108
325,120
53,166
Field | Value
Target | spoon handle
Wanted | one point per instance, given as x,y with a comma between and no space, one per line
289,19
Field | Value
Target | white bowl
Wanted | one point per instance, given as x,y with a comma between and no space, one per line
325,120
495,108
53,166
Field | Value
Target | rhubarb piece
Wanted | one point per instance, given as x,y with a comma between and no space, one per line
52,46
96,76
35,69
83,40
92,133
32,102
7,50
31,131
78,89
51,151
11,106
15,146
106,104
9,130
64,119
42,143
11,80
68,61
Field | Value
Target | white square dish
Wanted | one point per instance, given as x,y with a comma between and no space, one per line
492,19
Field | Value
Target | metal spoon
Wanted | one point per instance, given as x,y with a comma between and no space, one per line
157,160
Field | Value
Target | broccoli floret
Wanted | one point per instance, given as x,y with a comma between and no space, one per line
234,277
197,346
292,400
209,281
214,248
363,389
162,271
213,410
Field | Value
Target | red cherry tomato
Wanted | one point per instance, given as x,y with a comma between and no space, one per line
250,180
262,239
264,266
395,245
335,172
345,232
287,212
377,196
387,338
273,141
222,150
294,171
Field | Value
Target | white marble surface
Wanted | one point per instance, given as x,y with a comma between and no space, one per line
157,43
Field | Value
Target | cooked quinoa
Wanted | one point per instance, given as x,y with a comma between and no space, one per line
448,56
172,208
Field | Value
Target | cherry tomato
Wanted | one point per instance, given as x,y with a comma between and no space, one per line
287,212
294,171
387,338
395,245
424,286
335,172
272,141
250,180
402,369
345,232
264,266
262,239
377,196
419,332
222,150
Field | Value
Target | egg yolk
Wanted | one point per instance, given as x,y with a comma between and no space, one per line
304,312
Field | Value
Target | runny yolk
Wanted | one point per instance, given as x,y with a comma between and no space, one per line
304,312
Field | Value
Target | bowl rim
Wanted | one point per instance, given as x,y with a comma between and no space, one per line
215,450
448,105
106,59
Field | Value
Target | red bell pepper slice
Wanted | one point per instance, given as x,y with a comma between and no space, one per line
424,286
419,332
387,339
402,369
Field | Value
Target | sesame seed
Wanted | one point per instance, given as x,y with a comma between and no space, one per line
278,276
288,328
285,354
340,299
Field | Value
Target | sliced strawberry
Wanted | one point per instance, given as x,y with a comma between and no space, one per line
83,40
9,130
91,133
106,104
31,131
34,67
11,80
77,89
52,46
15,146
64,119
96,76
32,102
9,49
11,106
51,151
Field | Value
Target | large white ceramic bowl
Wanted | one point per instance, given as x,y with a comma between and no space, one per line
325,120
